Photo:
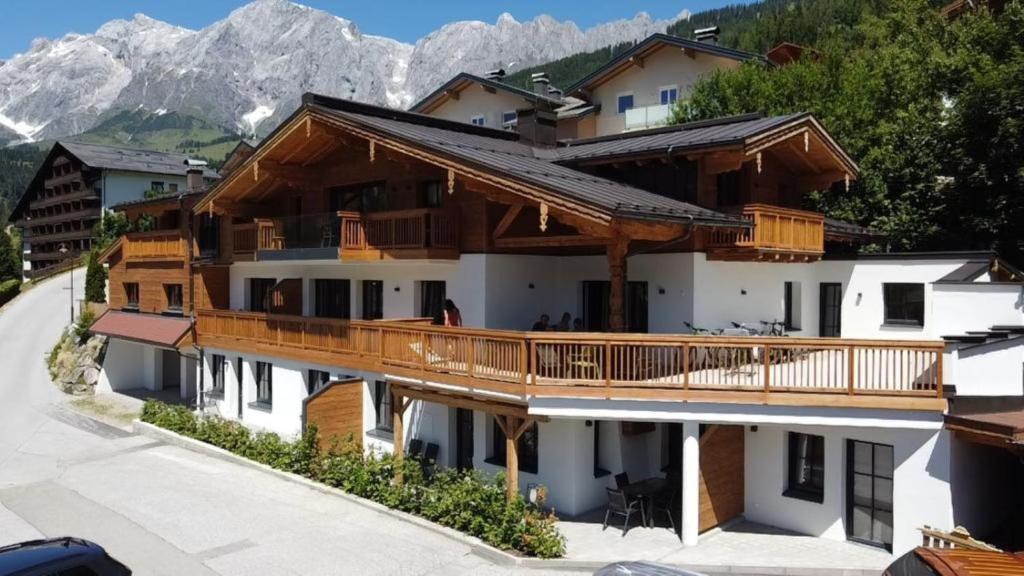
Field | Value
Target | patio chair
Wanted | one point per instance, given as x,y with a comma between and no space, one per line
415,448
429,460
620,505
621,480
665,501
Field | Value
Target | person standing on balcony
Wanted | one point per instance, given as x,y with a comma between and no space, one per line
452,316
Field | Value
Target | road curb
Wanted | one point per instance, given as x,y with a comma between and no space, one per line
477,546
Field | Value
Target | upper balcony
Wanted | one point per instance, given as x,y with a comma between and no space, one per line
775,234
827,372
155,245
648,116
402,234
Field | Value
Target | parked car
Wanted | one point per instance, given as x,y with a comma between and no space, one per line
642,569
64,556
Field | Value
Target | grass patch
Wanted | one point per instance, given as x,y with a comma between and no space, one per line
107,411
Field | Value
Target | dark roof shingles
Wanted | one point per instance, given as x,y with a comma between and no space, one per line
115,158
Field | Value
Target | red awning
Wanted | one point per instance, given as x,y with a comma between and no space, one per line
145,328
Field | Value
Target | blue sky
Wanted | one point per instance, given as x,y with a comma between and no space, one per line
23,20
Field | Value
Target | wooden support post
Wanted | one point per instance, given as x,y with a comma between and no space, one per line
397,411
617,251
511,457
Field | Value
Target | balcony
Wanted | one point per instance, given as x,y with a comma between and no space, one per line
776,233
419,233
648,117
831,372
155,245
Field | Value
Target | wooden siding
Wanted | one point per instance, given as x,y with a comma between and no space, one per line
337,412
213,287
721,475
151,277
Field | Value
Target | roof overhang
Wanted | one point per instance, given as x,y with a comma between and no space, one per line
149,329
451,90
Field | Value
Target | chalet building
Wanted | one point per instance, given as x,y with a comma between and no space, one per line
75,183
321,264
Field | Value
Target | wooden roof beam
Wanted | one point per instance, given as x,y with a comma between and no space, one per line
507,220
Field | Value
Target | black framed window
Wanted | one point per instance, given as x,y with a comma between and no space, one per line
728,186
373,299
331,298
174,297
218,365
385,416
432,295
869,482
527,447
156,186
806,467
431,194
209,235
265,383
596,312
259,293
316,379
131,295
904,304
791,309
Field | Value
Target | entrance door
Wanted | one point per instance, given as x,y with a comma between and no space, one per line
869,474
238,379
596,310
463,439
170,376
831,308
432,296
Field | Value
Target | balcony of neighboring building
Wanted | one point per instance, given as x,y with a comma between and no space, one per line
645,117
775,233
55,217
156,245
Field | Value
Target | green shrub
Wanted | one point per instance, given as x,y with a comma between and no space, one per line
9,289
468,501
86,318
95,279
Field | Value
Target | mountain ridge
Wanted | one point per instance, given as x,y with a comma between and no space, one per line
248,70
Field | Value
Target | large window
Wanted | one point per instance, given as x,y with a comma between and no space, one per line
791,312
904,304
869,476
373,299
316,379
596,313
174,297
131,295
625,102
509,119
728,188
331,298
431,194
259,293
669,94
218,365
265,384
526,448
209,235
382,406
806,467
432,295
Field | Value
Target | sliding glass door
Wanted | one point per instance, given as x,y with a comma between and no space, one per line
869,482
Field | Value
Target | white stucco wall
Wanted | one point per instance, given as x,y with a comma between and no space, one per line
120,186
991,369
474,100
129,365
958,308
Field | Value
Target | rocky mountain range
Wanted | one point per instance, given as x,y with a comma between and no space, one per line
247,71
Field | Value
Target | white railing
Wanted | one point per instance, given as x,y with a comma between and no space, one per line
648,116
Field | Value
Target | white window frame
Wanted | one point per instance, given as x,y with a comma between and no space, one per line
511,123
668,87
620,95
482,120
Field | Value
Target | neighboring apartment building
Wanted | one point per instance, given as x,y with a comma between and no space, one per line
487,101
324,255
75,183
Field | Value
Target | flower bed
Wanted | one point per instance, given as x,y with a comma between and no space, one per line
466,501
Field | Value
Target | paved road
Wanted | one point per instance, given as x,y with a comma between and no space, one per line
163,510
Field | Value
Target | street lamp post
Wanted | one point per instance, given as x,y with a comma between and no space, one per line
71,275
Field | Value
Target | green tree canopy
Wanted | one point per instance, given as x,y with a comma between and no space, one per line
10,263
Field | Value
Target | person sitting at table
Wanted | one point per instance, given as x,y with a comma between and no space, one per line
542,324
577,325
564,323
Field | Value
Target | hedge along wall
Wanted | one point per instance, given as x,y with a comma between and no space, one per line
9,289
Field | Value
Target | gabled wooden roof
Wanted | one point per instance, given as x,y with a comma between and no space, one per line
463,80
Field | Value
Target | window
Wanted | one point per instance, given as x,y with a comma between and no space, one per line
156,186
431,194
259,293
477,120
131,295
806,467
596,314
264,384
869,476
509,119
669,95
209,235
598,470
218,365
526,448
625,102
174,295
331,299
172,187
316,380
728,186
432,295
382,406
904,304
373,299
791,311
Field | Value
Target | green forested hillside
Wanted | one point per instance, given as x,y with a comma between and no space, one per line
565,71
17,166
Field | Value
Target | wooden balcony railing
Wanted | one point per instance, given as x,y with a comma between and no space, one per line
254,236
398,230
155,245
760,370
774,229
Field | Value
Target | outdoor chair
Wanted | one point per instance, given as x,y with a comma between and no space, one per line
415,448
620,505
621,480
429,460
664,501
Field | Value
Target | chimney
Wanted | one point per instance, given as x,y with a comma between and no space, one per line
540,83
707,35
538,125
497,75
194,174
555,93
